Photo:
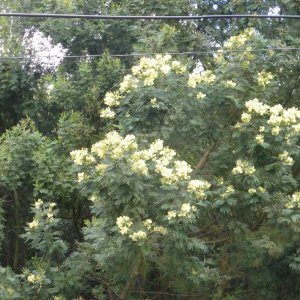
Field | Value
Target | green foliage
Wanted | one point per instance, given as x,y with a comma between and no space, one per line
131,218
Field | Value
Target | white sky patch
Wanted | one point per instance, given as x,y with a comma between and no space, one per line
273,11
43,51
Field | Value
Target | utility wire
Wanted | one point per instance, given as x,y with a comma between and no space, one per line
112,17
140,54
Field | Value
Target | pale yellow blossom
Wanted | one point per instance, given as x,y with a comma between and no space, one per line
34,224
245,118
264,78
230,84
38,204
243,167
107,113
137,236
285,158
200,96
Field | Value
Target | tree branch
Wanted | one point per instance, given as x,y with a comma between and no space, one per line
204,158
130,280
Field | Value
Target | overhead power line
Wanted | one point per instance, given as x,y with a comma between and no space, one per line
112,17
140,54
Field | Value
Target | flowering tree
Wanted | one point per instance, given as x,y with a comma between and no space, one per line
193,188
236,211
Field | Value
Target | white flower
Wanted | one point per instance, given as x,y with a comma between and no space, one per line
245,118
257,107
139,235
230,84
259,139
264,78
107,113
160,229
128,84
148,223
153,103
201,96
112,99
81,176
101,168
38,204
182,169
186,210
79,156
252,191
124,223
50,217
34,224
275,130
178,67
171,214
243,166
31,278
286,159
198,187
140,167
165,69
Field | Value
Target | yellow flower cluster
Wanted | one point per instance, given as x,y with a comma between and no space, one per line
257,107
81,157
285,158
138,235
140,167
124,223
243,167
260,139
247,56
180,171
114,145
196,78
154,103
198,187
254,191
230,84
34,224
35,278
245,118
107,113
150,226
149,69
38,204
219,56
277,118
295,201
101,168
280,116
42,212
201,96
264,78
239,40
82,176
186,211
146,72
112,99
171,171
230,189
128,84
50,215
178,67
